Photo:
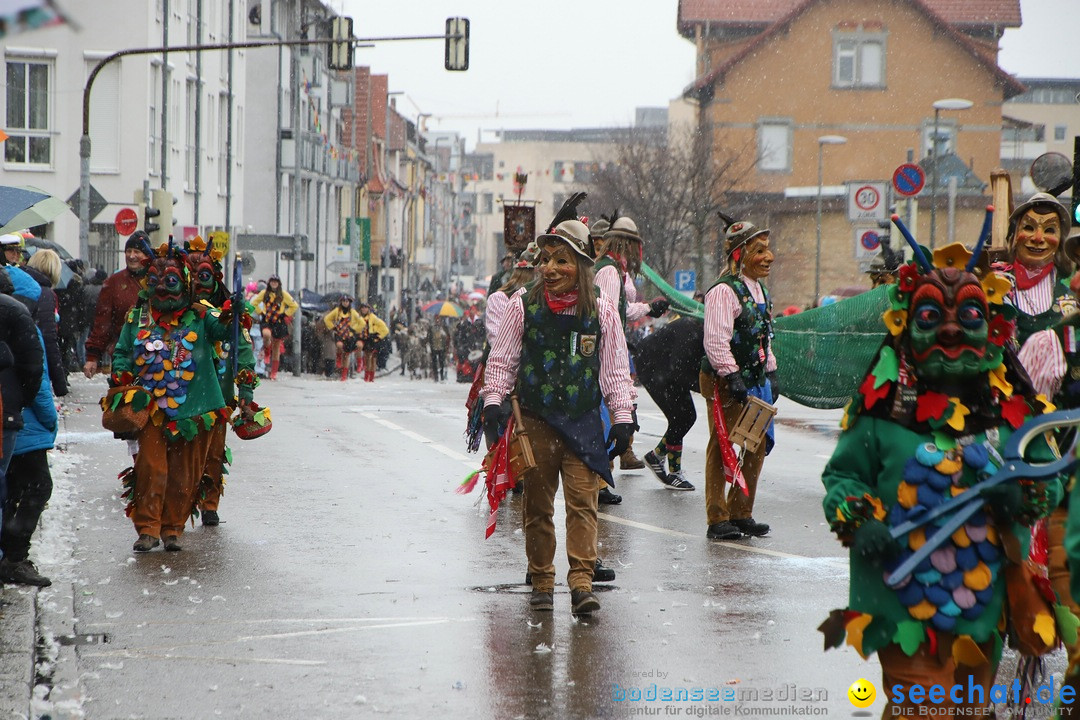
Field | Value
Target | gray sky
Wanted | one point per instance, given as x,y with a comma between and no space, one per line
588,63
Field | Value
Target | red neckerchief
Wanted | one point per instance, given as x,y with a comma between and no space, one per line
1027,279
558,303
618,259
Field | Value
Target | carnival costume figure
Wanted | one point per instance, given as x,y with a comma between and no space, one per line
374,333
738,363
936,407
167,349
208,289
346,327
615,273
276,307
561,348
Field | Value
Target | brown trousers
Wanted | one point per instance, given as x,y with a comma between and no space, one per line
724,501
213,475
927,670
580,488
1057,563
166,476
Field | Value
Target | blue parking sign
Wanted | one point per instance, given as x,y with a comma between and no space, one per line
685,280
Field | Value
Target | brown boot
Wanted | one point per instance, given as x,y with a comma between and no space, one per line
172,543
145,543
629,461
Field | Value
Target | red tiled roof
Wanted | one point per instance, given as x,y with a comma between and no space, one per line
1003,13
797,7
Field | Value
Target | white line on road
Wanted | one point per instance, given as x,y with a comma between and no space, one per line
465,459
203,658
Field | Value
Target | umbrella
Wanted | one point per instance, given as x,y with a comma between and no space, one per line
46,244
25,207
476,295
443,308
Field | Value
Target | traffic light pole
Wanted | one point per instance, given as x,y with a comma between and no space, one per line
84,141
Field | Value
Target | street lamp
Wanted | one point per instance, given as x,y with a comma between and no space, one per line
822,142
939,105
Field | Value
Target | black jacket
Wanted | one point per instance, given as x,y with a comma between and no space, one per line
44,310
21,360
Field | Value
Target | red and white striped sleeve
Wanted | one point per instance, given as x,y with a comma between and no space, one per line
607,279
634,309
1043,358
721,309
615,381
500,373
493,314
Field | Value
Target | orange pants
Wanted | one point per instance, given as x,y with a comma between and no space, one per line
723,500
166,476
928,670
212,483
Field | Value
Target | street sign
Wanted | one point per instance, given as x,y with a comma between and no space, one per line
909,179
219,240
867,242
346,266
866,201
685,280
97,203
127,221
306,256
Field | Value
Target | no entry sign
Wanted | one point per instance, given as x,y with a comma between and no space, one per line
909,179
127,221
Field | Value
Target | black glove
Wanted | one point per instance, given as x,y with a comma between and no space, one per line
658,307
621,434
1004,499
874,543
494,419
736,387
775,383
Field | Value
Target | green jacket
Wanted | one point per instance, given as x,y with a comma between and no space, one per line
871,459
177,365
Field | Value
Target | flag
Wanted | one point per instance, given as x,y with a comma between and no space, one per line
732,468
17,16
3,136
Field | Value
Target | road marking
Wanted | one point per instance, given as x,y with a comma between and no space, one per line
211,658
469,462
725,543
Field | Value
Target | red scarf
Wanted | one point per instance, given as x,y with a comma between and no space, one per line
1027,279
558,303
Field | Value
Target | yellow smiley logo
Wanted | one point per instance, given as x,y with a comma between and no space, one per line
862,693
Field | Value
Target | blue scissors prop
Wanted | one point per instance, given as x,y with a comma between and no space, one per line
1012,467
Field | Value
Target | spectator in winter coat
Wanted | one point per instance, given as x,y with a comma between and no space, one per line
91,293
29,487
72,316
119,294
21,365
34,290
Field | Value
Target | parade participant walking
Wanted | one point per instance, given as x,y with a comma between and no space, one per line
374,333
276,307
345,325
562,348
166,347
939,401
208,288
615,273
118,295
738,362
439,341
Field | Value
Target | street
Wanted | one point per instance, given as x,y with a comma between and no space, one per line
347,579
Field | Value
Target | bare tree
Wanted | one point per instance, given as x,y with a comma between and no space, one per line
672,190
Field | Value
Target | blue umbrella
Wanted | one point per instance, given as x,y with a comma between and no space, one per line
25,207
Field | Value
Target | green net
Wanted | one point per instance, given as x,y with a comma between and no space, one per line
822,354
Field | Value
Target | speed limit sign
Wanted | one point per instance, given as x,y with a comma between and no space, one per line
866,201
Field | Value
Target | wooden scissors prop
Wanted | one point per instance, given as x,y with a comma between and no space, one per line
1012,467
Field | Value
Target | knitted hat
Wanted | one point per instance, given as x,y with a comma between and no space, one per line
138,240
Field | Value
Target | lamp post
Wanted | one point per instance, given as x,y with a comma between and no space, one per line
822,142
939,105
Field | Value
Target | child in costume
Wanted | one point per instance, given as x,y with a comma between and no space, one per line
941,398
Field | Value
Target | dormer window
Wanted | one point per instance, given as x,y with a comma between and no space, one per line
859,55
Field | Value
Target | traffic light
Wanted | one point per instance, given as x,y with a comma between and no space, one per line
162,213
340,52
457,44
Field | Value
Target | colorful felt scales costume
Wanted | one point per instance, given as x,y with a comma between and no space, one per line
940,400
168,347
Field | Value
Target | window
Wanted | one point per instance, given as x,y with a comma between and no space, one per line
858,59
153,123
1059,133
946,137
563,172
104,109
774,145
189,136
223,140
486,203
29,135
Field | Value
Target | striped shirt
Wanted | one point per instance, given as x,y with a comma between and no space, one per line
721,308
493,314
500,373
1044,359
607,279
1037,299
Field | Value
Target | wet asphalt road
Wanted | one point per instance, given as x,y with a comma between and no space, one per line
347,579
